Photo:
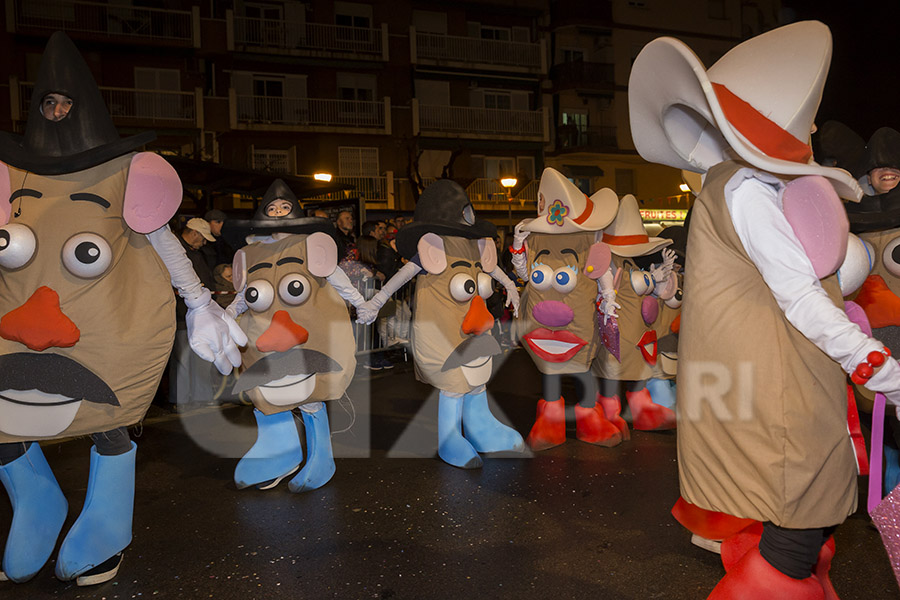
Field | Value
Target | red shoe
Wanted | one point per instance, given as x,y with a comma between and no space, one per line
823,566
708,524
611,408
592,426
753,578
549,427
736,546
647,416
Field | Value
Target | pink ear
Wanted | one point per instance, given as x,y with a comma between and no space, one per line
598,260
5,191
488,251
432,254
321,254
152,194
817,216
239,270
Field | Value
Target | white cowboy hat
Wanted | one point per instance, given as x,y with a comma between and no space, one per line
626,235
759,99
563,208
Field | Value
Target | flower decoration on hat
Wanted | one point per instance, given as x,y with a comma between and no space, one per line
557,212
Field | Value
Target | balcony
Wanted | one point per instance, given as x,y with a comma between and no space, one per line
489,191
298,38
110,22
468,53
583,75
480,123
310,114
592,139
129,106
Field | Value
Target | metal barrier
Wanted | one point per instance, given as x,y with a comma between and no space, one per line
392,328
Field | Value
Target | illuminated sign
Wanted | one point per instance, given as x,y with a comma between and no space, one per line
663,214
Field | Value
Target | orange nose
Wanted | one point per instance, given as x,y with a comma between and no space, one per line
282,334
40,323
478,319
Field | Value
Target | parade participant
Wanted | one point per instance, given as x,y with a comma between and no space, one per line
764,345
560,256
302,350
451,341
87,316
636,293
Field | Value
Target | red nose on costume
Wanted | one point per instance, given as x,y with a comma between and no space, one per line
478,319
282,334
40,323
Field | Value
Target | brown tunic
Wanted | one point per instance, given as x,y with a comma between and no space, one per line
762,422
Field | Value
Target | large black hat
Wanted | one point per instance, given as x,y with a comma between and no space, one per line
875,213
883,150
836,145
236,231
85,137
444,209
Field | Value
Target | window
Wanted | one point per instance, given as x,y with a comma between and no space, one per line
502,34
358,162
356,86
495,99
268,99
264,24
271,161
572,55
496,167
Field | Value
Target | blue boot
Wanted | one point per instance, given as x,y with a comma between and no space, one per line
484,431
103,529
39,511
891,468
453,448
275,455
662,392
319,467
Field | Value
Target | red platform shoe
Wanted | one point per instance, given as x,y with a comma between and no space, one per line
708,527
611,408
549,427
734,547
753,578
823,565
647,416
593,427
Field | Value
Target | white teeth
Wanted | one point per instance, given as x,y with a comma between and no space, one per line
553,346
478,370
292,389
650,348
38,415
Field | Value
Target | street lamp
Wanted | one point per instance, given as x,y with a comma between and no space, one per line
322,176
509,183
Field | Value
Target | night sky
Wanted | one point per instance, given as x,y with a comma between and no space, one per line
863,87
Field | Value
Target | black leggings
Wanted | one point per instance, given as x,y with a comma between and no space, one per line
794,552
585,388
108,443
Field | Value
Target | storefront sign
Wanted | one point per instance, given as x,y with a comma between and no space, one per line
663,214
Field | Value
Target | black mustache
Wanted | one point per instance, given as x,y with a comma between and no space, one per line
282,364
470,349
53,374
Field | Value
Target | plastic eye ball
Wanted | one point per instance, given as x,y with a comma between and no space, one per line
676,300
17,245
485,285
294,289
462,287
891,257
86,255
564,280
641,283
259,295
542,277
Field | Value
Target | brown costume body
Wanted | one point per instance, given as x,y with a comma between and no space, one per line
125,316
779,444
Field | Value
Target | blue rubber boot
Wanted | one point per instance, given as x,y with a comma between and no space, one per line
453,448
484,431
662,392
103,529
891,469
39,511
275,455
319,467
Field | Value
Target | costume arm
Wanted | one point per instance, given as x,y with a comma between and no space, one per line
369,311
238,306
213,335
520,261
345,288
607,292
754,205
512,293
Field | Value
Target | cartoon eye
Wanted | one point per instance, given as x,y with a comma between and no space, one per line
462,287
675,301
86,255
259,295
641,282
542,277
485,285
891,257
564,280
17,244
294,289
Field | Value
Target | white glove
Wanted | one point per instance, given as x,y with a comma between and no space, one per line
237,307
519,236
368,311
887,381
213,335
512,292
345,289
520,261
661,272
608,306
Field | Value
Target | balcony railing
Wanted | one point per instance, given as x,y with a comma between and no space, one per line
370,189
313,112
108,20
592,137
154,106
471,50
489,191
583,74
273,34
490,121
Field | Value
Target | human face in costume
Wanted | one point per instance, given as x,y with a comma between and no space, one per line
55,107
884,179
278,208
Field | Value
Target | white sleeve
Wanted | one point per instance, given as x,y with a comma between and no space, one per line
181,271
345,288
403,275
519,263
755,208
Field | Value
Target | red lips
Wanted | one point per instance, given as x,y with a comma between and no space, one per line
648,339
554,346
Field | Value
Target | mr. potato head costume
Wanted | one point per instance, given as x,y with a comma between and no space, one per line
764,346
86,316
452,346
560,255
301,349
